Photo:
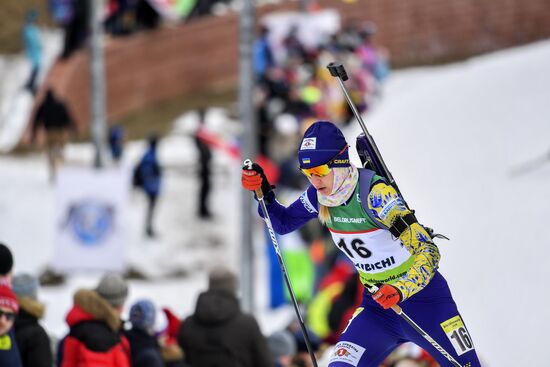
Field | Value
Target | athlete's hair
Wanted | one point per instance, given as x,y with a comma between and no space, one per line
324,215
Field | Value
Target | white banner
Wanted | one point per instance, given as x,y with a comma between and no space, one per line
91,218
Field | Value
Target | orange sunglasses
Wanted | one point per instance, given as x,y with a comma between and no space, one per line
323,169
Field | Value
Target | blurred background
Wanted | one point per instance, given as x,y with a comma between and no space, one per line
124,125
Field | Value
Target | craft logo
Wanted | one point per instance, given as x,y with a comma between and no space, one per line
90,221
308,143
342,352
341,161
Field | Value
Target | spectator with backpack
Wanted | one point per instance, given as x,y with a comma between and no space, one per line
148,177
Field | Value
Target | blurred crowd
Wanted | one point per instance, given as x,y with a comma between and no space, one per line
294,87
104,331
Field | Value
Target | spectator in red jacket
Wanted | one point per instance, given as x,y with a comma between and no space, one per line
95,337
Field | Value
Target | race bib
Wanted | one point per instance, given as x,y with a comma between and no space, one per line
458,335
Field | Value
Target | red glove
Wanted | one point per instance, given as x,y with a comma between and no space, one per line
387,296
251,180
254,178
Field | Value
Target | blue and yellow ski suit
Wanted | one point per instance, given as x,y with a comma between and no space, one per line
409,263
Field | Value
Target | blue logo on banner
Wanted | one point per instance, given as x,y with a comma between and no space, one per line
90,221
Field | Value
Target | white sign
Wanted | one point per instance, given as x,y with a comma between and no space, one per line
90,219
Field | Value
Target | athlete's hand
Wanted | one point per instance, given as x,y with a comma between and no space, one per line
387,296
253,178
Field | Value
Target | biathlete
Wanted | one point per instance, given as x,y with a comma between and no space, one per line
371,224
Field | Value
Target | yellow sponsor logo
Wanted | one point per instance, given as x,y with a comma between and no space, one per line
452,324
340,161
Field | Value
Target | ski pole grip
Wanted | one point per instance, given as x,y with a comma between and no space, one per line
338,71
372,289
397,309
259,194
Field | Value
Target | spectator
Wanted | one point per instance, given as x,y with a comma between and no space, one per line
33,48
95,337
117,136
54,116
32,340
9,355
6,265
219,333
76,27
169,347
302,357
263,58
283,348
148,177
205,158
143,343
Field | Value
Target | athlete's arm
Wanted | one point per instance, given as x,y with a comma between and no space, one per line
387,205
287,219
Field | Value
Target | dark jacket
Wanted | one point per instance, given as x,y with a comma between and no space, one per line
150,173
32,340
218,334
52,114
145,349
9,355
94,338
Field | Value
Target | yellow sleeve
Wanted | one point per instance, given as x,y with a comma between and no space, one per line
387,205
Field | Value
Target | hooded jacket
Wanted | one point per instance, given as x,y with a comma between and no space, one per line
32,340
95,338
220,334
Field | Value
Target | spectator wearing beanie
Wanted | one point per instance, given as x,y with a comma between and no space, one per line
219,333
32,340
6,265
95,337
283,347
9,355
143,343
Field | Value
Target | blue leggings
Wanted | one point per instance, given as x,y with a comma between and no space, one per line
374,332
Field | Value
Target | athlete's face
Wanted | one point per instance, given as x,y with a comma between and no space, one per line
323,184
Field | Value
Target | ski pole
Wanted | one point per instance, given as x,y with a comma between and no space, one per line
260,196
338,71
398,310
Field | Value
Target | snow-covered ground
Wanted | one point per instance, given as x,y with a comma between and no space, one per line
459,140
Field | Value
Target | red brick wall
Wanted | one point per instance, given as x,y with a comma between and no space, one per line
151,67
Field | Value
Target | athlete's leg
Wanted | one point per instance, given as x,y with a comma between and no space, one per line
435,311
370,336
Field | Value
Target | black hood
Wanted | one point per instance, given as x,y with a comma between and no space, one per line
216,307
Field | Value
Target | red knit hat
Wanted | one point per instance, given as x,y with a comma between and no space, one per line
8,299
